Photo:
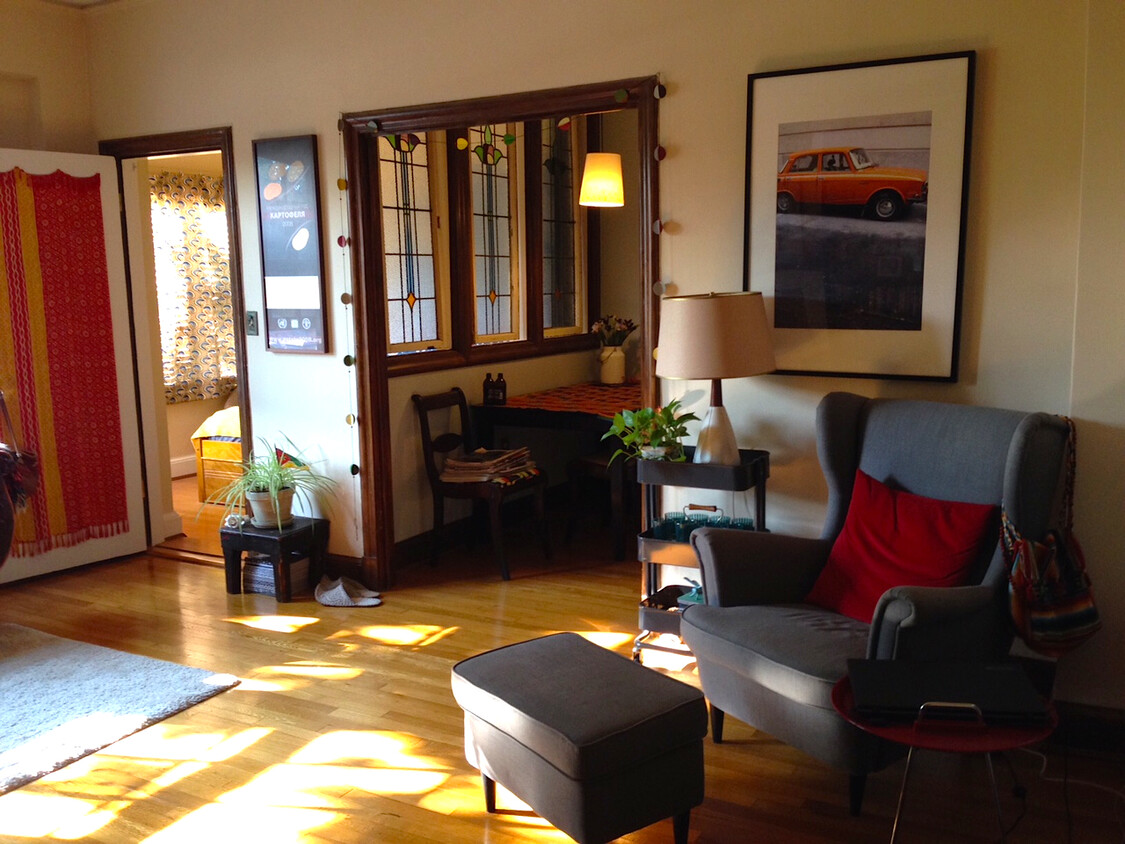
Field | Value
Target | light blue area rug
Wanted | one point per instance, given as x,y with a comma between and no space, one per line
61,700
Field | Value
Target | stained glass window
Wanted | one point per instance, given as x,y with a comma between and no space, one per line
492,167
561,241
414,253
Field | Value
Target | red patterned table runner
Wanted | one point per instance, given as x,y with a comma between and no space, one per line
596,399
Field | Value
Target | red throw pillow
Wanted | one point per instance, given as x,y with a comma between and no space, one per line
895,538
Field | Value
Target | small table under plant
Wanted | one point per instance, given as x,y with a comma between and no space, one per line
303,537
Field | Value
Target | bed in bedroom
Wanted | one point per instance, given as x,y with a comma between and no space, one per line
218,451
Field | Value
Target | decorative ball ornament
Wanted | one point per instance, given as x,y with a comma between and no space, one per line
342,240
657,226
350,419
462,143
564,124
371,124
660,91
621,95
355,469
509,139
349,360
660,287
659,153
342,184
346,298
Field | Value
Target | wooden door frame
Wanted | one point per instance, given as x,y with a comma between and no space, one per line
182,143
361,131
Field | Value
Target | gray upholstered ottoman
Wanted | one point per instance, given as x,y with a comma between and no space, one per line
595,743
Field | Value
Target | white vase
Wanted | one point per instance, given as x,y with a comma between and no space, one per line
612,359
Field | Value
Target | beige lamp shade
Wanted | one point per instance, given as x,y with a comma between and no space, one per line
601,181
716,335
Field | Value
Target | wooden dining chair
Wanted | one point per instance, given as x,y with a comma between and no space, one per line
492,492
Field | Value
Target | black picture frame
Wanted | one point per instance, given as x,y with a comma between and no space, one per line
861,267
289,224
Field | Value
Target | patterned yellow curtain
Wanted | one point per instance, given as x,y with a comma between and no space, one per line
189,233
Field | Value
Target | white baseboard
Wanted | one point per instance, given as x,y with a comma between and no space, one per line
181,467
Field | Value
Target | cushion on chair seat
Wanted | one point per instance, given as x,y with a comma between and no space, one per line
586,710
515,477
796,650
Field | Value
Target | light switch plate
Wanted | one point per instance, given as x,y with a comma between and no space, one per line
252,323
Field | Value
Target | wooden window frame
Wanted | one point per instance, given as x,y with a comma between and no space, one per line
361,130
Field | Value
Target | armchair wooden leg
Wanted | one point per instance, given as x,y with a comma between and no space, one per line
489,793
857,783
716,724
680,825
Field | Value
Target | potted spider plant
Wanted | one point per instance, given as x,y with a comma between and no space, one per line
651,433
271,478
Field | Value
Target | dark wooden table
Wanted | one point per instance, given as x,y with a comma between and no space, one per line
573,407
304,537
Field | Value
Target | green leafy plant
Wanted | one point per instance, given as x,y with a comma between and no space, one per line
651,428
272,470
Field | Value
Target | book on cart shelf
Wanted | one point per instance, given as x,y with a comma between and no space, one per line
486,465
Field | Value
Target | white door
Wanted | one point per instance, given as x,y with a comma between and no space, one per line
133,538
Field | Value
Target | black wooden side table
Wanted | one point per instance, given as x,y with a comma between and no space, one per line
304,537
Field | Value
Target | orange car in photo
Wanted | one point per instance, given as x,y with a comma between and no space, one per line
848,176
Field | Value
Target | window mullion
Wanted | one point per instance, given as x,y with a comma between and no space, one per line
460,244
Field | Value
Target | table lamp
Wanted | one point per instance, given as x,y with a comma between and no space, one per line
714,336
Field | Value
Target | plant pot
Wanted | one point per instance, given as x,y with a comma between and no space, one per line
262,513
612,359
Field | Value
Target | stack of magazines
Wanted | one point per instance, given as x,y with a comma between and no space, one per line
487,465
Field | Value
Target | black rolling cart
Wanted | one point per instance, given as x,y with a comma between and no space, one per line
653,552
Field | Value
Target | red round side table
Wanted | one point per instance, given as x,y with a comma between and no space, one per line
929,733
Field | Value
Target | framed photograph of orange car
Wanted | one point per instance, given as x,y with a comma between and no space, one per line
856,198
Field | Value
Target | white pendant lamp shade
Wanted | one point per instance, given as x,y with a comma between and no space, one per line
601,181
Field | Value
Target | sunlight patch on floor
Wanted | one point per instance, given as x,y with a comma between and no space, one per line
608,639
275,824
275,623
390,749
161,741
413,635
37,816
313,670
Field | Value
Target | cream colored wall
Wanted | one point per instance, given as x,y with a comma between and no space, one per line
48,45
1042,241
1098,385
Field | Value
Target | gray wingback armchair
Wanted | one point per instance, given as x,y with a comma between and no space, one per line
771,660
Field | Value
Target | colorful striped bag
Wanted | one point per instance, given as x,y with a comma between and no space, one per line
1050,596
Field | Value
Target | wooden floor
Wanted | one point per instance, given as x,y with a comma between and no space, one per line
200,521
344,728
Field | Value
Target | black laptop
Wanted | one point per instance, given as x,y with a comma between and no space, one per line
893,691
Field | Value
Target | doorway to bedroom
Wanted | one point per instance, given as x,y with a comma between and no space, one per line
184,262
191,269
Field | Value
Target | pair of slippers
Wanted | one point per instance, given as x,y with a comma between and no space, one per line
345,592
